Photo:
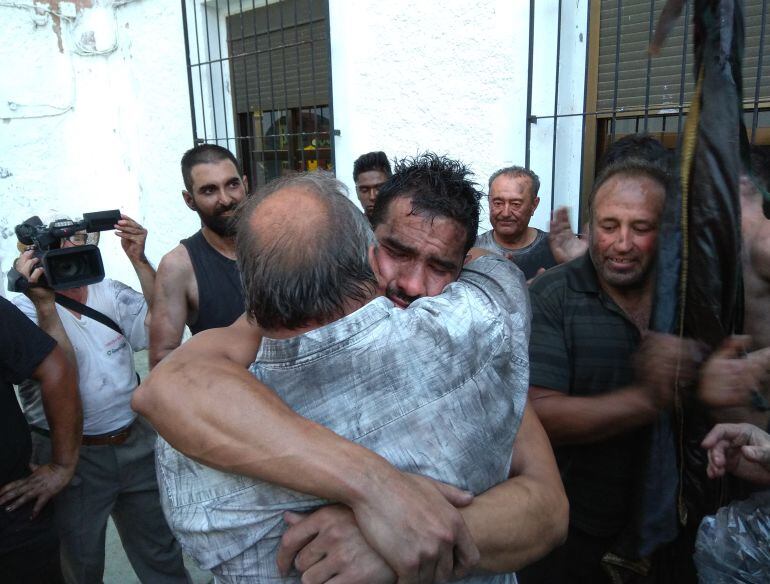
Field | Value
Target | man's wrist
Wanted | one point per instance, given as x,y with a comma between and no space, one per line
373,473
140,259
44,306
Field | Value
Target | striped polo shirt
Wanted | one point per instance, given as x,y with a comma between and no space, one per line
581,345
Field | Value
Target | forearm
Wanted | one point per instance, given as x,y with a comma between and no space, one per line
251,431
516,523
740,415
522,519
166,330
146,274
580,420
61,402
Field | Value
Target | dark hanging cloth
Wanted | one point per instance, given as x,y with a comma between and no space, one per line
699,284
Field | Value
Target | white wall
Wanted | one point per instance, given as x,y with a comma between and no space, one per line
451,77
95,132
91,132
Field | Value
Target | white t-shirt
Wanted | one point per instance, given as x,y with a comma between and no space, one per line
105,358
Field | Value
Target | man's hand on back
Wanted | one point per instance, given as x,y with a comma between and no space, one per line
412,522
328,542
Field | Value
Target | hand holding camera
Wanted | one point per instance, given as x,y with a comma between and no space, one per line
57,266
28,266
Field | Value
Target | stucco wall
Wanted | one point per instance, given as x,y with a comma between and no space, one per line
451,77
85,133
413,76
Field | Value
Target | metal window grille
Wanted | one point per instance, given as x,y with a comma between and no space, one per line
627,91
260,82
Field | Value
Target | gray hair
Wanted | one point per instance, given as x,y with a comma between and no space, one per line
302,276
517,172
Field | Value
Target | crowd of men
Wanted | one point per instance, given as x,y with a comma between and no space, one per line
382,396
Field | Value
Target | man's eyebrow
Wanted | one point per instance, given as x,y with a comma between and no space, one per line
396,245
443,263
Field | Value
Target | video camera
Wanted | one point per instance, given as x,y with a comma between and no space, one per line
63,267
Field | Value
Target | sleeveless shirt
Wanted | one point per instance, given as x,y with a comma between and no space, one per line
220,293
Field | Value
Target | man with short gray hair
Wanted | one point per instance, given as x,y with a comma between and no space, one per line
512,202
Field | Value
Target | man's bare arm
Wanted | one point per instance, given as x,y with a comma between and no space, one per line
132,239
522,519
206,404
61,402
570,419
731,378
172,299
57,375
513,523
581,420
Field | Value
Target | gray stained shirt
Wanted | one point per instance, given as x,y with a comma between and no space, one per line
529,259
438,389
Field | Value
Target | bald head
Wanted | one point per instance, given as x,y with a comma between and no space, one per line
302,251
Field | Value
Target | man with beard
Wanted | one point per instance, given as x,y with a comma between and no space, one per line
198,283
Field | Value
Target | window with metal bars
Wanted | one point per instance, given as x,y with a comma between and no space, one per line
627,91
260,82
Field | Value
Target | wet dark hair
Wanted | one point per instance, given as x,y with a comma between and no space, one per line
371,161
637,146
205,154
437,187
295,277
631,168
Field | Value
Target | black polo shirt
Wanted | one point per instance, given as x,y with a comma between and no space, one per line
581,345
23,346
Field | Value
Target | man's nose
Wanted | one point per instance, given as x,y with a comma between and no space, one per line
224,198
624,241
412,282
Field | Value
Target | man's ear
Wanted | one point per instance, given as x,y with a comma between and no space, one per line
245,180
535,203
189,201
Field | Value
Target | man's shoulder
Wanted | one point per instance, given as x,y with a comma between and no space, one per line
175,263
495,276
486,240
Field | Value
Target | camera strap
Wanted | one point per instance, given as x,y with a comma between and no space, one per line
81,308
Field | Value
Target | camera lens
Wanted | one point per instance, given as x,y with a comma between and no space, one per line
69,268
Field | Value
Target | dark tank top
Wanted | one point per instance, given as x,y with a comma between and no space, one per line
220,293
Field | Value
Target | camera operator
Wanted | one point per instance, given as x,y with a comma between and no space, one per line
116,471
